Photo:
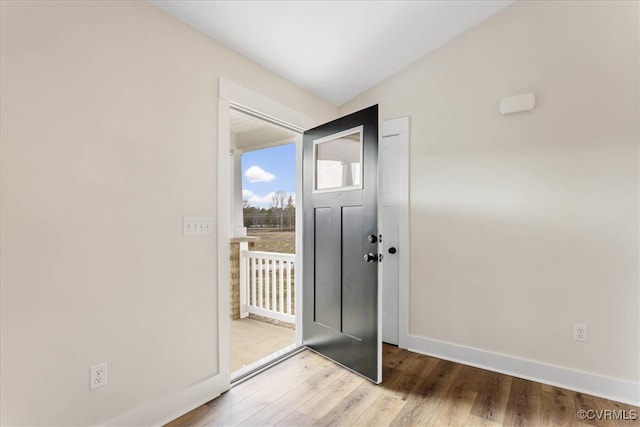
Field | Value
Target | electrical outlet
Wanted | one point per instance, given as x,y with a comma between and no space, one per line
98,375
580,332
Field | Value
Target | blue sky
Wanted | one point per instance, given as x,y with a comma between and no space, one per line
266,171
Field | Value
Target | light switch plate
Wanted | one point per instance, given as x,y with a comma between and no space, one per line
198,225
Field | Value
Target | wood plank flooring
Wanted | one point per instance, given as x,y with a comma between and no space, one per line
418,390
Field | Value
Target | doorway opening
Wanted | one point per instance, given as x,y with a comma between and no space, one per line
234,97
263,242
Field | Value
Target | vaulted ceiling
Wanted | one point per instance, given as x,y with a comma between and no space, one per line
334,49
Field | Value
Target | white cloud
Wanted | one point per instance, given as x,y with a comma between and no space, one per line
257,174
256,199
259,201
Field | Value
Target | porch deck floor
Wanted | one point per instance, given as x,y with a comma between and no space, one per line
252,340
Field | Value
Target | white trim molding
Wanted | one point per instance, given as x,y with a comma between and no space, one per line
299,234
616,389
232,94
224,237
168,408
264,106
401,127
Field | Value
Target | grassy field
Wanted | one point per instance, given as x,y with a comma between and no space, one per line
274,241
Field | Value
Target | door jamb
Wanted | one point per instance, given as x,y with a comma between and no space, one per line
231,93
401,127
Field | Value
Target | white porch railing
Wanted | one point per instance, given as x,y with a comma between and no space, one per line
266,285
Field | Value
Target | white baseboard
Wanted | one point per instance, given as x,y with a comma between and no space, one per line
168,408
609,388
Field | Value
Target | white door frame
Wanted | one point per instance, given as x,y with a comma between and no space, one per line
234,94
400,129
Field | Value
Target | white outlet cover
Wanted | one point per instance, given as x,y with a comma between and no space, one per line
98,375
580,332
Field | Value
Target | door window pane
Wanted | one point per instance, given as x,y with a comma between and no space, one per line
338,161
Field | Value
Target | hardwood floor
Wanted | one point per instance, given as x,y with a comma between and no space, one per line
417,390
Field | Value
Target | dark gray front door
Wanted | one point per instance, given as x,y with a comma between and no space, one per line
340,239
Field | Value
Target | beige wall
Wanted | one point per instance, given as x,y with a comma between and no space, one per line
109,129
522,224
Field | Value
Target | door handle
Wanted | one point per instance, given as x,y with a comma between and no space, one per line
370,257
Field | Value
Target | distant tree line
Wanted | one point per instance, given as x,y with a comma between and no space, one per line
281,215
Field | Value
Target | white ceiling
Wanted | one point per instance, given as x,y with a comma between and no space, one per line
249,133
334,49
